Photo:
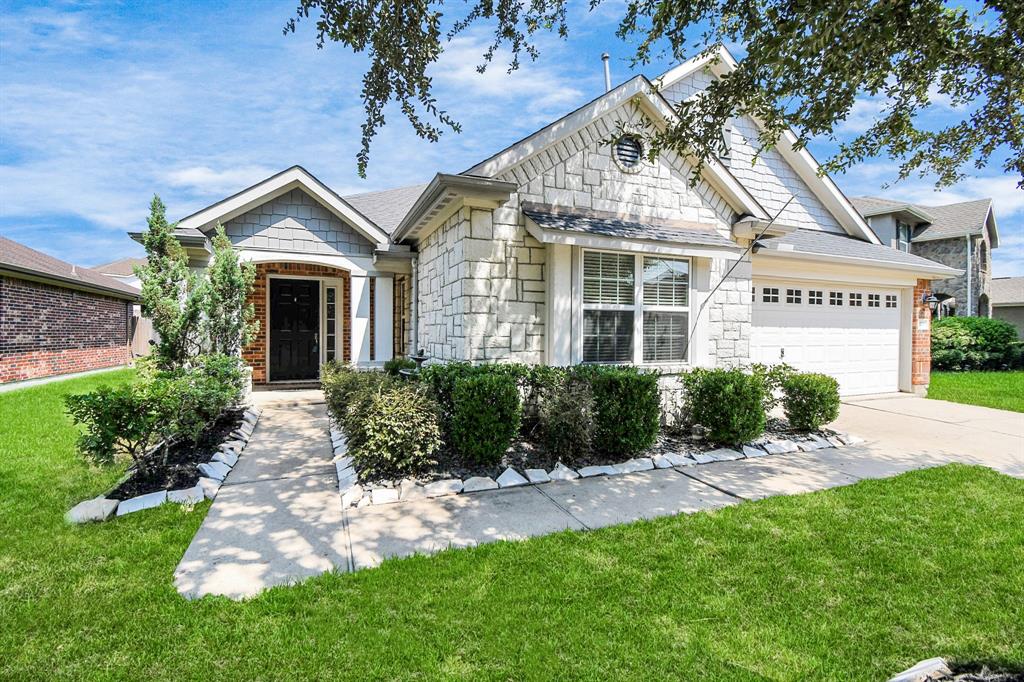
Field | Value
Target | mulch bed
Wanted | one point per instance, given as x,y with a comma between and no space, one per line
180,469
525,454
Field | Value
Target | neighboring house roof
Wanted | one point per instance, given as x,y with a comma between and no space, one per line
273,187
387,207
1007,291
720,62
123,267
21,260
818,245
942,222
637,89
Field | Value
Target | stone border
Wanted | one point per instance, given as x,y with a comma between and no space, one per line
354,494
213,474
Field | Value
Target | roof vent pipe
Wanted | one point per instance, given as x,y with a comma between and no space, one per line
607,73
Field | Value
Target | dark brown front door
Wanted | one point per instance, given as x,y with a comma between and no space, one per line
294,329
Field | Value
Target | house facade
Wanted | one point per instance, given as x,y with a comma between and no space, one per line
573,246
960,235
58,318
1008,301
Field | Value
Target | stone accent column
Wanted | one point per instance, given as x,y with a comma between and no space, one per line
921,339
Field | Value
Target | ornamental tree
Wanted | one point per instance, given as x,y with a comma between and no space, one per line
229,317
807,66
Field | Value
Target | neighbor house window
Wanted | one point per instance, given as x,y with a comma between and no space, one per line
873,300
793,295
616,310
902,236
835,298
770,295
856,300
814,297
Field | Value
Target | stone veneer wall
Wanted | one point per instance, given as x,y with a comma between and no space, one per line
46,330
255,354
953,252
729,314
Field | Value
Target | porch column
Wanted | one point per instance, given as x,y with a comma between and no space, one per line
383,319
360,329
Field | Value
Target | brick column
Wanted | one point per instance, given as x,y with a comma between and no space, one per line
921,344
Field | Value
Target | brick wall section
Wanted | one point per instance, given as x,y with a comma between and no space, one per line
255,354
47,330
921,345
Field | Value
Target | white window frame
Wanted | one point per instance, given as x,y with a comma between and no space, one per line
903,230
638,307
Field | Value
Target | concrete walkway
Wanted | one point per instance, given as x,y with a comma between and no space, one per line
278,518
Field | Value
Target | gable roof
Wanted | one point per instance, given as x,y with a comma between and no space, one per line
273,187
22,260
386,208
1007,291
123,267
943,222
719,61
637,89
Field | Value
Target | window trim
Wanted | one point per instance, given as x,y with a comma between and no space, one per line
637,307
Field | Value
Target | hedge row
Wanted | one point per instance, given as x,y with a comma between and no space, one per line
975,343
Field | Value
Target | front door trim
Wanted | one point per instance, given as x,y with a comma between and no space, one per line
324,282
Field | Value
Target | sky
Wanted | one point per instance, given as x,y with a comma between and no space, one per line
103,104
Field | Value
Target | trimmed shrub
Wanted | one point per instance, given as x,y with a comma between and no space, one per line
566,416
121,421
728,402
627,411
967,343
340,382
772,377
395,430
810,400
394,366
485,416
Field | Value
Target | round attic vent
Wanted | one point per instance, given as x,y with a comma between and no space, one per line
628,152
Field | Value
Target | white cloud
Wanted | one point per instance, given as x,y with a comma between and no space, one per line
205,180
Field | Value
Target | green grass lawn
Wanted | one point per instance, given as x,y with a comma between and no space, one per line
1002,390
853,584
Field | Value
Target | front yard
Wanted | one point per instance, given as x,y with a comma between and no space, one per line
853,583
1001,390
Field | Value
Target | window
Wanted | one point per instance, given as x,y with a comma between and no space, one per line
873,300
856,300
770,295
331,322
793,295
890,300
902,236
628,152
615,309
814,297
835,298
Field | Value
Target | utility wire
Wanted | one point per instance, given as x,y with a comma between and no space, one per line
686,348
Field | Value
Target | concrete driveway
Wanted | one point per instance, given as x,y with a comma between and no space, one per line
907,430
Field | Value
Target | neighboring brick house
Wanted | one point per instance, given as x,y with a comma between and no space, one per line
123,270
960,235
572,246
58,318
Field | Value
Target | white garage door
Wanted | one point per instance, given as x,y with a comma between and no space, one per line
851,333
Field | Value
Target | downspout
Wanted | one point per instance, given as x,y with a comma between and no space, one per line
415,306
970,302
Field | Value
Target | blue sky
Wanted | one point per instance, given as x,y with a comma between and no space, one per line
104,104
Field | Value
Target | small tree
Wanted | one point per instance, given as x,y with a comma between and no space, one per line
229,321
172,295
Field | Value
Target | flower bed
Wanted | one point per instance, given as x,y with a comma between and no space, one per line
464,428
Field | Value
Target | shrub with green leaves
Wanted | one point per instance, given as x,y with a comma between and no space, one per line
627,408
395,430
486,414
729,403
971,343
121,421
810,400
566,417
772,377
339,383
394,366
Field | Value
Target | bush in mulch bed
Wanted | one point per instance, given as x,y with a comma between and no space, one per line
174,467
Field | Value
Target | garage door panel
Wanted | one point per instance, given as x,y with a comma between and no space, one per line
858,345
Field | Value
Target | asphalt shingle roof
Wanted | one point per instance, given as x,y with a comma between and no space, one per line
951,220
387,207
626,229
1007,290
831,244
21,258
122,266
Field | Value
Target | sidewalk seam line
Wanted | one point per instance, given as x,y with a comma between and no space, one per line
711,485
554,502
